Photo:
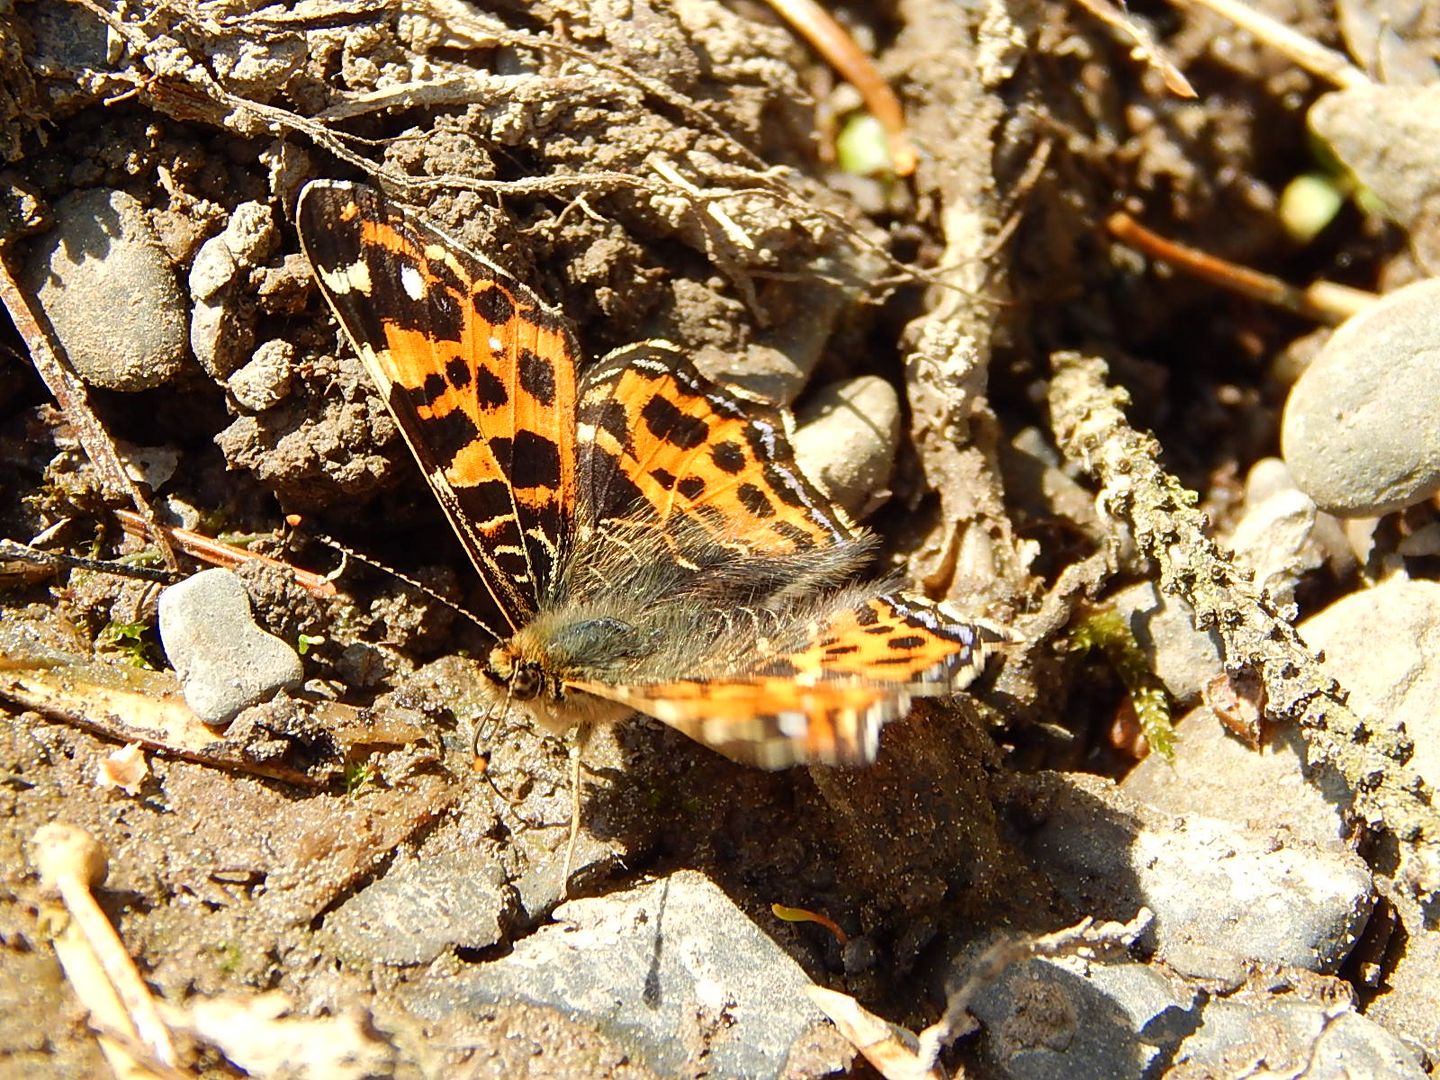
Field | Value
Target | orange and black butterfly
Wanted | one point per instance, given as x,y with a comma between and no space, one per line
646,538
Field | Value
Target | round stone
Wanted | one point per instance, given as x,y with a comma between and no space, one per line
108,290
1359,433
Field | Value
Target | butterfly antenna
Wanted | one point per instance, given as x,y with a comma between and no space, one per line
405,579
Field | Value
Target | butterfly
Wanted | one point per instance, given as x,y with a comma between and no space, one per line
645,537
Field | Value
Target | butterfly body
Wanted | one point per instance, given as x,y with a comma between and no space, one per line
646,538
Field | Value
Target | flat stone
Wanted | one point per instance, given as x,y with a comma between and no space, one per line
109,292
846,441
1383,645
1280,1037
1358,433
1070,1020
1220,892
264,382
1389,136
670,970
224,661
422,908
1264,789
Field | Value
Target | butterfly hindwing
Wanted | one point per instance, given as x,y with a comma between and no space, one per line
655,434
478,373
825,699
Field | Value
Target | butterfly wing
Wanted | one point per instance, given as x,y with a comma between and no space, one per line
654,434
478,373
826,699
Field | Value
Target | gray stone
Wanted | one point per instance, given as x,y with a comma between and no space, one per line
250,234
1389,136
109,292
847,438
670,970
225,662
1282,1037
264,382
1219,892
1383,645
1184,658
421,908
1267,789
1359,434
1071,1020
1274,540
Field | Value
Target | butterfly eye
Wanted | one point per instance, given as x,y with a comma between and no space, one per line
526,682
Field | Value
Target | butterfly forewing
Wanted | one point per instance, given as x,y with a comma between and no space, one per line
478,373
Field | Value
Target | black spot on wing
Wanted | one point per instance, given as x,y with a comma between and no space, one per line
728,457
440,275
537,376
444,435
867,616
458,372
610,417
783,487
436,315
692,487
755,500
430,391
907,641
841,650
490,392
535,462
786,530
667,422
664,477
494,305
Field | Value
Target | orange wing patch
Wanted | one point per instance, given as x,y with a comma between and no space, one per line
654,434
478,373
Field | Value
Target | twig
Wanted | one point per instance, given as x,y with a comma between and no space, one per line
71,862
216,552
829,39
1310,55
1323,301
1144,46
1091,430
70,393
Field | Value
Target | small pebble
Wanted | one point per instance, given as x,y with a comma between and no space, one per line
1184,658
224,661
109,292
1359,432
1095,1021
1275,537
264,382
847,438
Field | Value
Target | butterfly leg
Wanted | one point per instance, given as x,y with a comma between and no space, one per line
579,738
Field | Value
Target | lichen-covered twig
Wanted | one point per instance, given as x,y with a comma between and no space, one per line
1090,427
